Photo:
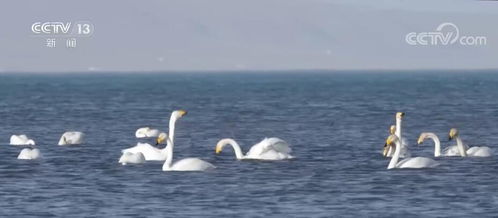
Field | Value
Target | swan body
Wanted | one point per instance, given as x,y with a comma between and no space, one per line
414,162
397,131
21,140
476,151
131,158
187,164
479,151
149,152
146,132
29,154
71,138
267,149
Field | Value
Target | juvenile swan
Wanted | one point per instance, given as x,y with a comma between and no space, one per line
267,149
414,162
21,140
187,164
71,138
476,151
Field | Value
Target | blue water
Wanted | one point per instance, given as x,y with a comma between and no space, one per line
337,124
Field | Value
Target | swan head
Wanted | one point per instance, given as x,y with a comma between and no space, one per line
453,133
161,138
392,129
421,138
219,147
389,143
400,115
178,114
221,144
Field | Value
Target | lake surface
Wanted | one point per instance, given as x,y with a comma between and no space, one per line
336,123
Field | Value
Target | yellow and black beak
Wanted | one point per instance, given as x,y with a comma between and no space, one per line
159,140
182,112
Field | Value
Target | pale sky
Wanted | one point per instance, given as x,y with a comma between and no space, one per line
231,35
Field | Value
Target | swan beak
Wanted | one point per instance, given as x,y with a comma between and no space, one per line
218,149
159,140
400,114
420,140
182,112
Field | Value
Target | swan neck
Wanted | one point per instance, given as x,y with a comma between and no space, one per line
437,144
395,158
171,133
238,151
170,143
461,148
169,156
398,128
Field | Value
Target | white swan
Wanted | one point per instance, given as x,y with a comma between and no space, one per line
29,154
146,132
152,153
414,162
447,152
267,149
187,164
476,151
21,140
404,145
131,158
71,138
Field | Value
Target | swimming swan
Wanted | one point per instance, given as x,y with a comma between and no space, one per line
146,132
476,151
414,162
131,158
152,153
29,154
71,138
397,131
187,164
21,140
267,149
449,151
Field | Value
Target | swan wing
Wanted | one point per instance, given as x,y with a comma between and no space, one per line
417,162
192,164
267,144
29,154
279,145
20,140
71,138
131,158
451,151
270,155
153,133
150,152
479,151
